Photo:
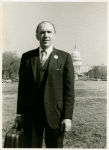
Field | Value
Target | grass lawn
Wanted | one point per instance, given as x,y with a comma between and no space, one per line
89,118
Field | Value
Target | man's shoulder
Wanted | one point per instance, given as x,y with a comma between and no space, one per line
62,53
30,53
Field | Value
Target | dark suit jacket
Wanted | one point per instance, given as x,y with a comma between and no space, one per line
59,88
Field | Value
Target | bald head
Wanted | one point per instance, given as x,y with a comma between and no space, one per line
44,22
45,34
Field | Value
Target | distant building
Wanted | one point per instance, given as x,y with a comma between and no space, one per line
77,62
79,69
82,70
85,68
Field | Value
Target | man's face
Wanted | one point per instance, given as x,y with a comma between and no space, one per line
46,35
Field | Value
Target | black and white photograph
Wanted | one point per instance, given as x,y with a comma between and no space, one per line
54,74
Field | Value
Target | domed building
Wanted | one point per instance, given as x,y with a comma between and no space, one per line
77,62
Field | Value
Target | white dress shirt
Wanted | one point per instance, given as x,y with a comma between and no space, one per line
48,50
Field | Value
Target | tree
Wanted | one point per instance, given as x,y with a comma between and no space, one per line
98,72
103,71
10,64
91,74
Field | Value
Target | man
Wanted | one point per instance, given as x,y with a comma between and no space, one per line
45,92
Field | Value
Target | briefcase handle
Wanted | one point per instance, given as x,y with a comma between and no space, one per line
16,127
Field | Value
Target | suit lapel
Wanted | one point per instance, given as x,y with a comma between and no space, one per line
35,62
53,60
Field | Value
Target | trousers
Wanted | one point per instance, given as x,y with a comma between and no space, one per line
34,133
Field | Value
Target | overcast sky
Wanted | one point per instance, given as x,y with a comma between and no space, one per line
80,23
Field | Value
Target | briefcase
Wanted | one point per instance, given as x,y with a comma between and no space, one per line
14,138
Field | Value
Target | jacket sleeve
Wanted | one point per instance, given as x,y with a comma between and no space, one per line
21,86
68,81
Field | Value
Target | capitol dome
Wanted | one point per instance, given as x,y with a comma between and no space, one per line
76,57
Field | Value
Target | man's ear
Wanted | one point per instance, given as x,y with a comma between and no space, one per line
54,37
37,36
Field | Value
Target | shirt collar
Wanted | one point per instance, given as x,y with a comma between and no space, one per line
48,50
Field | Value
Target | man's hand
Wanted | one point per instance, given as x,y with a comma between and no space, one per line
67,123
18,120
